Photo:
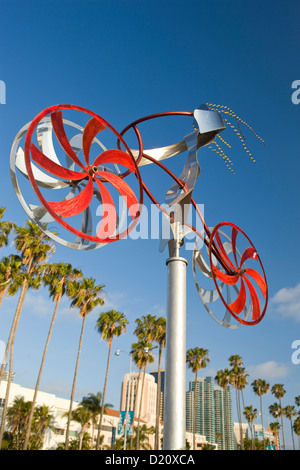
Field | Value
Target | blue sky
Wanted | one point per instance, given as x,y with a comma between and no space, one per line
128,59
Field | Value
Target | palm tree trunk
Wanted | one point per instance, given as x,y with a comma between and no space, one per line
2,295
81,439
281,415
262,421
252,436
292,434
6,400
140,412
10,345
28,429
103,397
74,383
14,325
158,396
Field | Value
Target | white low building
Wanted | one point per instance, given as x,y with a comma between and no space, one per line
58,407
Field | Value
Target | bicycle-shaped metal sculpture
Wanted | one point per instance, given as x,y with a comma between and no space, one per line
92,177
74,178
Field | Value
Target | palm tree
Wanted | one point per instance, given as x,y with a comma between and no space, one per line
33,245
93,403
151,328
142,354
290,412
260,388
275,411
145,327
275,429
86,296
57,277
5,229
196,359
143,433
223,379
109,325
279,393
296,428
145,331
42,420
9,268
16,418
250,414
83,416
238,380
159,333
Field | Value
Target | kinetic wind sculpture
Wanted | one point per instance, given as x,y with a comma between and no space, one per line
74,178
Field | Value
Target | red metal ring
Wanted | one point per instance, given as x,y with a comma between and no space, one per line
27,154
240,274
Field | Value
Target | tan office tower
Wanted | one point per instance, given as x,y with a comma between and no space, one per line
129,400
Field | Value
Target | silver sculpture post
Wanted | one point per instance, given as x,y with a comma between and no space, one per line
175,378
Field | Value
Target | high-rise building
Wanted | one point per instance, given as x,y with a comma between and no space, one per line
131,395
162,390
213,412
223,418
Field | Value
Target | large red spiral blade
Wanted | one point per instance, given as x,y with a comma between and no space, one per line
75,205
53,167
248,253
234,233
109,217
124,189
224,254
115,156
259,280
90,131
239,304
58,127
231,280
254,299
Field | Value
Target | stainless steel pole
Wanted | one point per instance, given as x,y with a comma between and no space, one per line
175,378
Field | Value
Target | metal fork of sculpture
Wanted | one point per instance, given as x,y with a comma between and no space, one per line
75,177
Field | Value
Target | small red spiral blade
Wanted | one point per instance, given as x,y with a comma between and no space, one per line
52,167
90,131
109,218
75,205
234,233
224,254
259,280
58,127
123,188
239,304
230,280
248,253
254,299
115,156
